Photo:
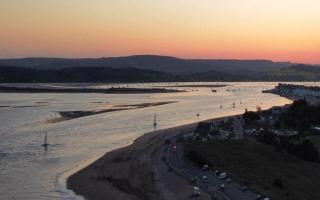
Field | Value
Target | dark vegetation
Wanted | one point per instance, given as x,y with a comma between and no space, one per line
107,74
166,64
277,183
305,150
250,116
280,163
197,158
295,72
280,176
83,74
300,116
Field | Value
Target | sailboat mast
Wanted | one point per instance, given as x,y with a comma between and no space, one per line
155,119
45,142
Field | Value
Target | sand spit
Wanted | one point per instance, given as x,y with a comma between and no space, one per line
69,115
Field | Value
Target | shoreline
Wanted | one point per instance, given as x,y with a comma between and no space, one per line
116,174
197,86
120,90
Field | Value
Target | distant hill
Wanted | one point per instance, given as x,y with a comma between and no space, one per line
151,62
106,74
147,68
83,74
295,73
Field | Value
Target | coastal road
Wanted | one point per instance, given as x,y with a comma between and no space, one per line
233,191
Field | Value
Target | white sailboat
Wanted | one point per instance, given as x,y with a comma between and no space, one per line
155,120
45,142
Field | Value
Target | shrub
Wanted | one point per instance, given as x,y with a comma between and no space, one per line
277,183
250,116
268,138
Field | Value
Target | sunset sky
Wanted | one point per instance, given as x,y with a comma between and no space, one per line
281,30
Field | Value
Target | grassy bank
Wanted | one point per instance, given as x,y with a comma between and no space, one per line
259,165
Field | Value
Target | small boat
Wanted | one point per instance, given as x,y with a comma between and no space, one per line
45,142
155,120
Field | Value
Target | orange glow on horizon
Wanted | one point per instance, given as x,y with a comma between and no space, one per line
286,30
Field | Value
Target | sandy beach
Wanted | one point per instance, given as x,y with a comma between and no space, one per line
136,171
69,115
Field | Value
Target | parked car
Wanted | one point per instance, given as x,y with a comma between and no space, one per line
216,172
196,191
221,187
205,167
205,179
244,188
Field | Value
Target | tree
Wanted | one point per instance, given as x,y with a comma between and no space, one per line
259,109
268,138
250,116
308,151
277,183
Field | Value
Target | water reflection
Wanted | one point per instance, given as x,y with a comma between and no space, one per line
28,171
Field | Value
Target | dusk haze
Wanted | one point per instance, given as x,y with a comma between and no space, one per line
159,99
286,30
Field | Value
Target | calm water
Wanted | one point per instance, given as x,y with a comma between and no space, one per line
27,171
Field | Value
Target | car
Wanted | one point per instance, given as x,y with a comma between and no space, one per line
267,198
244,188
196,191
205,167
221,187
205,179
216,172
229,180
258,197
